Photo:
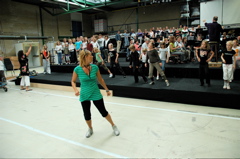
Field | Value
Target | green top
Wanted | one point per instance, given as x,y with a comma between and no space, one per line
172,46
89,88
98,58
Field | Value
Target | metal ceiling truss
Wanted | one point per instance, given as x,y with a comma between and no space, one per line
81,5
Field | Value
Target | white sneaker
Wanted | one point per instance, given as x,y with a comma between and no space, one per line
110,75
151,83
225,85
115,130
157,78
167,83
89,133
228,86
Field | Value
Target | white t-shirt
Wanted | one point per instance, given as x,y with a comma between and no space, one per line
1,66
64,44
178,44
58,48
144,57
84,45
71,47
163,53
95,44
144,46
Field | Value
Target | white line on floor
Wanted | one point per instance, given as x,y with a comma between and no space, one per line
143,107
63,139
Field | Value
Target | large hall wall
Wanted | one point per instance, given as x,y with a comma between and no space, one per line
20,19
149,16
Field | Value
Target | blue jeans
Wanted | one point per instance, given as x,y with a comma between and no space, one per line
163,64
59,58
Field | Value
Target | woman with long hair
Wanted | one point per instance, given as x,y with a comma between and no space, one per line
46,60
24,69
88,75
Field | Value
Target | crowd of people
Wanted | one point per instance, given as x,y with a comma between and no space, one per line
177,45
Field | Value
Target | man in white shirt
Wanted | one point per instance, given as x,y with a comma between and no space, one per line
145,44
100,43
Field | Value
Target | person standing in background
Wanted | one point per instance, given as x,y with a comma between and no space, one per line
58,50
78,47
106,42
71,48
229,63
46,60
203,57
100,43
214,31
119,41
65,50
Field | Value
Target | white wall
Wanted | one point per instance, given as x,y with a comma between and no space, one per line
226,10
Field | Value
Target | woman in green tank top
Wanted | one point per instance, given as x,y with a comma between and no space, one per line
88,75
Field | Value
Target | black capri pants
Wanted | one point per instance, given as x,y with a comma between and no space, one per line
86,105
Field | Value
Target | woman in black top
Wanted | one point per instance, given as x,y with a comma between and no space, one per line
24,70
154,59
134,63
113,60
203,58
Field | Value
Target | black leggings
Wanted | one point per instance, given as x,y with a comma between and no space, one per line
86,105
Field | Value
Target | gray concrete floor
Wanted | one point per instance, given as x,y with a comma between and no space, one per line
48,123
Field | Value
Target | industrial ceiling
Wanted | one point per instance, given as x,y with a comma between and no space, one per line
92,6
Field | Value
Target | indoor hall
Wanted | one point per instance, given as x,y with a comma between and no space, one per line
177,113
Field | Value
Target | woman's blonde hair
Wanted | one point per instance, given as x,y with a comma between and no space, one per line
207,45
144,50
44,46
230,42
96,50
131,47
82,57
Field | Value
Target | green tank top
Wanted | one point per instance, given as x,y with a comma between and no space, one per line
97,57
89,87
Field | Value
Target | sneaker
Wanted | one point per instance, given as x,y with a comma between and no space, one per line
89,133
151,83
167,83
115,130
228,86
157,78
225,85
110,75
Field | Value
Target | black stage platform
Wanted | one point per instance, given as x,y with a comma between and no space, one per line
187,70
181,90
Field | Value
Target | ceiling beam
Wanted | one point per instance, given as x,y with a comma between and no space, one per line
49,12
91,7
